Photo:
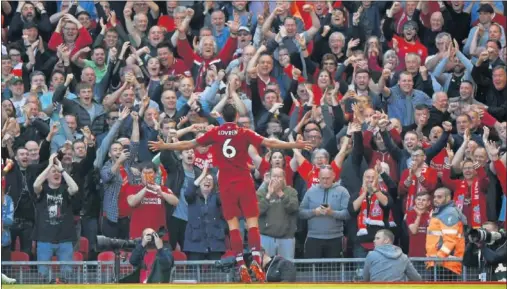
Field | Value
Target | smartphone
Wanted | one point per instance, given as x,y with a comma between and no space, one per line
325,205
150,178
126,147
348,104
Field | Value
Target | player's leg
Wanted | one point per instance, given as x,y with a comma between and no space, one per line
250,209
231,212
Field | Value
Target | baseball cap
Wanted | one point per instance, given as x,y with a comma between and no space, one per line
30,24
15,79
244,28
411,24
486,8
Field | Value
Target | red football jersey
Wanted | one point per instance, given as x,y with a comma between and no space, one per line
150,213
230,150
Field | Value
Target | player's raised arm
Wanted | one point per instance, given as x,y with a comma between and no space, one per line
278,144
160,145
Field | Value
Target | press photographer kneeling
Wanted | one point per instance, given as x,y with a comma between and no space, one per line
152,261
487,250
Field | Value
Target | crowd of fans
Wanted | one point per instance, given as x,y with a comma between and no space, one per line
405,104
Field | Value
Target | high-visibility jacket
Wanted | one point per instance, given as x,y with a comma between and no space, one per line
445,236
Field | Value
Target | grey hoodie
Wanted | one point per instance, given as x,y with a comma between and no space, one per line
330,226
387,263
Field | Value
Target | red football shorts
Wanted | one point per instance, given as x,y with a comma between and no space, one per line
239,199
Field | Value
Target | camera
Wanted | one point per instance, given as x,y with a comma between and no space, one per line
229,264
483,236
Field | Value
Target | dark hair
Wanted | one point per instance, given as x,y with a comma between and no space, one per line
57,72
421,106
70,114
498,44
98,47
467,81
229,112
149,165
165,44
277,151
270,91
361,70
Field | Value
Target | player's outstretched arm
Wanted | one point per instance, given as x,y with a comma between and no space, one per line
177,146
278,144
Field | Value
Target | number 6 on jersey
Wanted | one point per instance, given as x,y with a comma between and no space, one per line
228,150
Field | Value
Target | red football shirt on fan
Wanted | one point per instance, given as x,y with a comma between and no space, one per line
230,151
405,48
201,158
289,174
310,173
416,247
150,213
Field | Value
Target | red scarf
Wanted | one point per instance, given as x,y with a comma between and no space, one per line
459,199
373,217
415,187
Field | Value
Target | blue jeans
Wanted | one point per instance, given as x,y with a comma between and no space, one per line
282,247
63,251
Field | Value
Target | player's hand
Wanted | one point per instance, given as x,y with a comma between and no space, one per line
304,145
156,145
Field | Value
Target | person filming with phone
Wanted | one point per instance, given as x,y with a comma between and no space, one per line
151,259
325,207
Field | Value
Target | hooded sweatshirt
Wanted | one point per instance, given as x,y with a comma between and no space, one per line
387,263
328,226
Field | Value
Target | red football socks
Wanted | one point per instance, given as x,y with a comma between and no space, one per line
254,242
237,246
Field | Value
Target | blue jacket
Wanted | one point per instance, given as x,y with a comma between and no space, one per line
7,220
206,226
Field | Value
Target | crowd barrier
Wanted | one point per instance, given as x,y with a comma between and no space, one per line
308,270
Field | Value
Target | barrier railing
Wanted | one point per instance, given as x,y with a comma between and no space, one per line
308,270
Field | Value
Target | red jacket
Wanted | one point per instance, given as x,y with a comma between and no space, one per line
428,180
83,39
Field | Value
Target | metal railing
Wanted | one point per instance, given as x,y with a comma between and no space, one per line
308,270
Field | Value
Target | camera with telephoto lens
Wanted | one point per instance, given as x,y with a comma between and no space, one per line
483,236
228,264
110,244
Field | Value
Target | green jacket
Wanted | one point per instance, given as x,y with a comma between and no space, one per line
278,216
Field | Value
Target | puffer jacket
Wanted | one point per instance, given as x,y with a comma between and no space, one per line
206,226
445,237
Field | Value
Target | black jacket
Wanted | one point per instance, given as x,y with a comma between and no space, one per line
280,269
160,271
175,177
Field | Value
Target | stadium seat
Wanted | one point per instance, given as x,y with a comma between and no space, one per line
107,256
78,256
84,247
179,256
18,256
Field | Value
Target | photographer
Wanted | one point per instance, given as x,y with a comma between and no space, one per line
277,268
152,261
487,250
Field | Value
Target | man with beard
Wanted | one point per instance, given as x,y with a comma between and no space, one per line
27,12
461,70
463,102
407,44
97,62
